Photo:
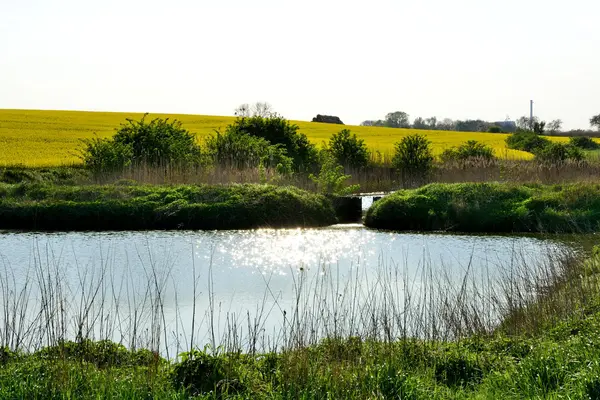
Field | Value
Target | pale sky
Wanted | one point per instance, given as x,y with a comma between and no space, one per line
357,60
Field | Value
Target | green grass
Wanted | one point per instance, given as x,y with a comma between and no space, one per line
562,362
128,206
490,207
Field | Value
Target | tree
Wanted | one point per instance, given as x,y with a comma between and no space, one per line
419,123
595,121
278,130
558,153
413,156
348,150
241,151
526,140
242,111
584,142
472,125
446,125
470,150
370,122
555,126
258,109
539,127
431,122
397,119
526,123
156,143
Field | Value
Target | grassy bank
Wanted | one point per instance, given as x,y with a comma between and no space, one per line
562,363
490,207
128,206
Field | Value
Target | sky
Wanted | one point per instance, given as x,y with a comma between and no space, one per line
357,60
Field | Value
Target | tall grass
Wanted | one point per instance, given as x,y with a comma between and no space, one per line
375,178
379,176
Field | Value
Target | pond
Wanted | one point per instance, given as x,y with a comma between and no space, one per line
249,289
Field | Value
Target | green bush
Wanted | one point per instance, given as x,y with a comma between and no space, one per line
459,369
240,150
103,354
332,179
526,141
490,207
558,153
348,150
583,142
277,130
6,355
199,373
154,143
106,155
56,175
539,128
471,150
413,155
495,129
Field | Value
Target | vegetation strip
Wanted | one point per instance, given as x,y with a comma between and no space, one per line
38,138
490,207
134,207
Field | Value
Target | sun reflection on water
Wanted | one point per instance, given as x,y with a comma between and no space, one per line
276,250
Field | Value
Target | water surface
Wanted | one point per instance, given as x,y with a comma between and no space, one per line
132,282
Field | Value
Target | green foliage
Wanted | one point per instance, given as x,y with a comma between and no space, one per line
471,150
595,121
560,362
155,143
583,142
495,129
106,155
348,150
558,153
103,354
397,119
127,207
332,179
277,130
6,355
240,150
526,141
471,125
200,373
459,369
32,378
490,207
539,128
58,175
413,155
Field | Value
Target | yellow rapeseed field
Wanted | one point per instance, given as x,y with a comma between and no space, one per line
52,138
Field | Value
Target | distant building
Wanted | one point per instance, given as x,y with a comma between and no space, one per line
507,126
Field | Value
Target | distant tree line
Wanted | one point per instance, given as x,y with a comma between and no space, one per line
401,119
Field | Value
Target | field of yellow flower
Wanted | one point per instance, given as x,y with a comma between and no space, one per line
52,138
